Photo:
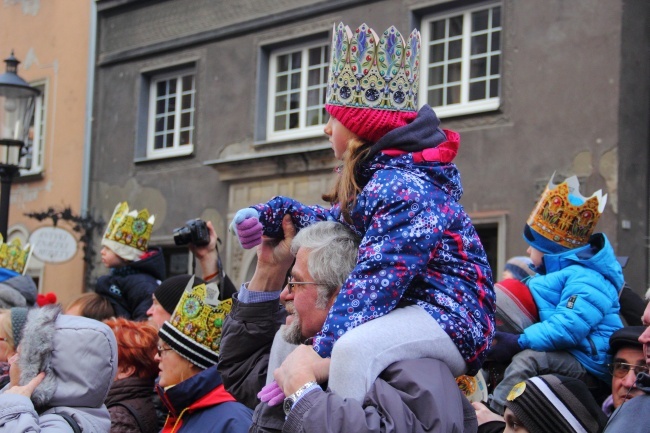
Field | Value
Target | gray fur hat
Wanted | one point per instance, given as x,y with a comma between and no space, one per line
77,354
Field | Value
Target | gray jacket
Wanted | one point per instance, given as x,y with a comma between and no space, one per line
19,291
409,396
79,357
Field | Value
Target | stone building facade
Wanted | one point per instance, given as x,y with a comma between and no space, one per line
203,107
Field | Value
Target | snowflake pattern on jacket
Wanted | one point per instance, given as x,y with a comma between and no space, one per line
418,245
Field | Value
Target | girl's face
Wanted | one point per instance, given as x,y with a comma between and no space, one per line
339,137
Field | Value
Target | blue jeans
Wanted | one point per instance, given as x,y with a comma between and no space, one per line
530,363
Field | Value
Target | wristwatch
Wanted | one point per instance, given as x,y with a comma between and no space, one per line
289,401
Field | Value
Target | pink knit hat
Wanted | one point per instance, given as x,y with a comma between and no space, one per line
373,81
369,123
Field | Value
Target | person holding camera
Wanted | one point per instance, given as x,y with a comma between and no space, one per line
202,239
136,269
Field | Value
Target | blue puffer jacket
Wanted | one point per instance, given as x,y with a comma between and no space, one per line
418,244
578,305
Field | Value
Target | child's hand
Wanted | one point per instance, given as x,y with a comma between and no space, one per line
272,394
246,225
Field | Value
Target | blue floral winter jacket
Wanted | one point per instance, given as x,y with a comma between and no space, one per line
577,299
418,244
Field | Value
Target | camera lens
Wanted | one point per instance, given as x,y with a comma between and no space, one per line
182,235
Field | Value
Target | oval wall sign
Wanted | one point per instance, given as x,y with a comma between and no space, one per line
53,245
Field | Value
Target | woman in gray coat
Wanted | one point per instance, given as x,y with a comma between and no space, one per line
60,376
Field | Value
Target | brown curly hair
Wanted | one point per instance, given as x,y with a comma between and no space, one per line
136,346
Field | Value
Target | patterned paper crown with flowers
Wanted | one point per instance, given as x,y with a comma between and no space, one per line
194,330
565,217
13,256
128,233
367,71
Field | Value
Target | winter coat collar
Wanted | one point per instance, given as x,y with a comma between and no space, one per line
153,265
199,391
597,255
129,388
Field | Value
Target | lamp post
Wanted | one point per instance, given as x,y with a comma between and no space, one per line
17,100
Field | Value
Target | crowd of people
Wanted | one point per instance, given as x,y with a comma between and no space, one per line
359,317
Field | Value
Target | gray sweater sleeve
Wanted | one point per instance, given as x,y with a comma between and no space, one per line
409,396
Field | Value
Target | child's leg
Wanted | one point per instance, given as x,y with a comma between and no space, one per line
362,353
530,363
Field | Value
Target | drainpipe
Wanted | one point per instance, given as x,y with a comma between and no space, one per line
90,90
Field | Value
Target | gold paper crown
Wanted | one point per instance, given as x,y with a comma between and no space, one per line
559,218
196,322
367,71
13,256
128,233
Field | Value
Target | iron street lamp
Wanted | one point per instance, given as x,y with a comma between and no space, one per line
17,100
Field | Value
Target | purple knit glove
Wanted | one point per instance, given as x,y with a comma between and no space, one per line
246,225
271,394
504,347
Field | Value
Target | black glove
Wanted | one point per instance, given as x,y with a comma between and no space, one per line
504,347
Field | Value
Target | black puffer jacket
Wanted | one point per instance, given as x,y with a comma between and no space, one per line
129,288
130,403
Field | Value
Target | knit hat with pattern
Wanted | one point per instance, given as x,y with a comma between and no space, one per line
558,404
519,267
194,329
169,292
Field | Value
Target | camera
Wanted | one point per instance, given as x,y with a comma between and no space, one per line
193,232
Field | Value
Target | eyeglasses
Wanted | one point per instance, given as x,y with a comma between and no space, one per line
621,369
162,350
291,285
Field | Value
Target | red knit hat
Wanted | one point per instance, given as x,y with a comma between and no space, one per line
516,308
370,124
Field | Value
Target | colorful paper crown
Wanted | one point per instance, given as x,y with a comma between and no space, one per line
194,330
563,216
367,71
13,256
128,233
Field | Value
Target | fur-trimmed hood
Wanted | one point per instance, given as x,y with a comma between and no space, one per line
78,355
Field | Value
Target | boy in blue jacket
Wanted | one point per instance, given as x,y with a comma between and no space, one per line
576,291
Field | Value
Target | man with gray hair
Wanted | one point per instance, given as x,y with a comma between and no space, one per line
261,341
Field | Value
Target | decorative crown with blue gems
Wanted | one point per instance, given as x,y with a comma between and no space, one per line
367,71
128,233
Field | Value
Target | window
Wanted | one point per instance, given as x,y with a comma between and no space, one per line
297,91
32,162
171,115
461,56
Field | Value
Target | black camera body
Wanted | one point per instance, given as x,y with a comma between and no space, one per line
193,232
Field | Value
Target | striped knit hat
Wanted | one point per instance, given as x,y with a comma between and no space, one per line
558,404
194,330
519,267
516,308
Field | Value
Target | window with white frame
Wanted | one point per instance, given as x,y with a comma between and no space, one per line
297,91
461,61
32,162
171,115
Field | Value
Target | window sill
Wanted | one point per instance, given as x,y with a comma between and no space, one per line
29,177
154,158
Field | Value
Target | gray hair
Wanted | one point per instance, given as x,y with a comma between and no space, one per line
333,250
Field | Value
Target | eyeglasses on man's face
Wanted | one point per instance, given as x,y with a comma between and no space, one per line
161,350
621,369
291,284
